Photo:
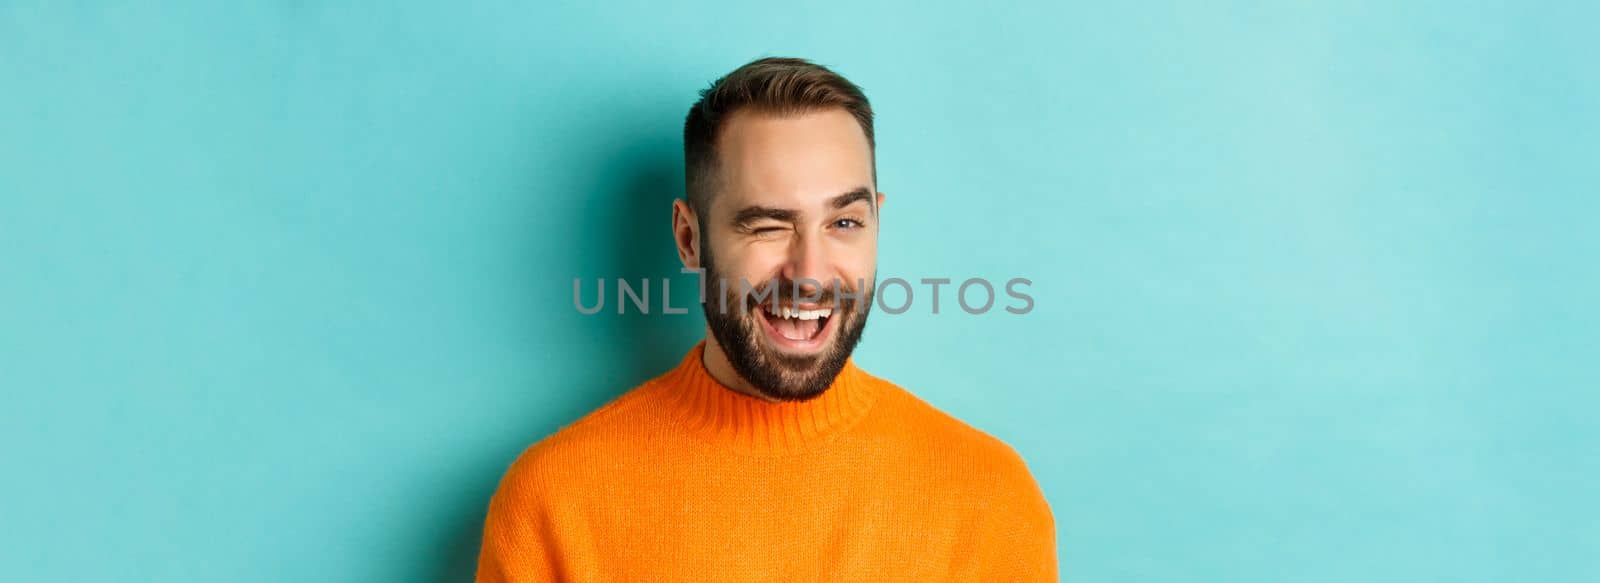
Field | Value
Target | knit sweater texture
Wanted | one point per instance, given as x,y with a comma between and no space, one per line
684,479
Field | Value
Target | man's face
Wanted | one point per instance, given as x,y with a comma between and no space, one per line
796,207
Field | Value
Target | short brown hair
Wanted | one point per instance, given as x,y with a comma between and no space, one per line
772,85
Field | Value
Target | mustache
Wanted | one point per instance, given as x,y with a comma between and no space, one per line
776,292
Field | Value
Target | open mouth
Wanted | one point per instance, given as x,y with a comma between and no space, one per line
796,328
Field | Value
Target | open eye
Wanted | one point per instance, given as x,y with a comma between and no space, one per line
847,224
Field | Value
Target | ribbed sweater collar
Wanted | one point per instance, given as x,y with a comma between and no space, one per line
722,415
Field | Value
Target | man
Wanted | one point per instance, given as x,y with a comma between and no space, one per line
767,454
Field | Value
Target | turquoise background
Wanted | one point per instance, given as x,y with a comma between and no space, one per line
285,286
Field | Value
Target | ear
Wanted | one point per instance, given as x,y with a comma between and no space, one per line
686,233
880,200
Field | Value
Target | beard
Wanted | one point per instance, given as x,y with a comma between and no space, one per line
776,375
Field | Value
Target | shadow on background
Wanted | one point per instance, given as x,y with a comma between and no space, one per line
632,212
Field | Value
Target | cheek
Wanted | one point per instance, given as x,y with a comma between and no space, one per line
755,264
860,261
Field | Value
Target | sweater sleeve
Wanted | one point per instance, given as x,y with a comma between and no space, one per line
1022,535
517,533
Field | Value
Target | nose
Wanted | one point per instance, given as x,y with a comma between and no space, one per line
808,260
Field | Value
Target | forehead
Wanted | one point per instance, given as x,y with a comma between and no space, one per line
795,161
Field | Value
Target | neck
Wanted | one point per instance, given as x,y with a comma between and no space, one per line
721,369
710,407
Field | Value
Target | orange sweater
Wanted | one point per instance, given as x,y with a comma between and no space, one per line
683,479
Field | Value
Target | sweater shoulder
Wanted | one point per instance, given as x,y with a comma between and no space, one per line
991,472
598,433
954,439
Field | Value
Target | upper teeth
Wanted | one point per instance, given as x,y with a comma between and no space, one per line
788,312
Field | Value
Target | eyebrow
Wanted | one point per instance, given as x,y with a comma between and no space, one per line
859,194
753,213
